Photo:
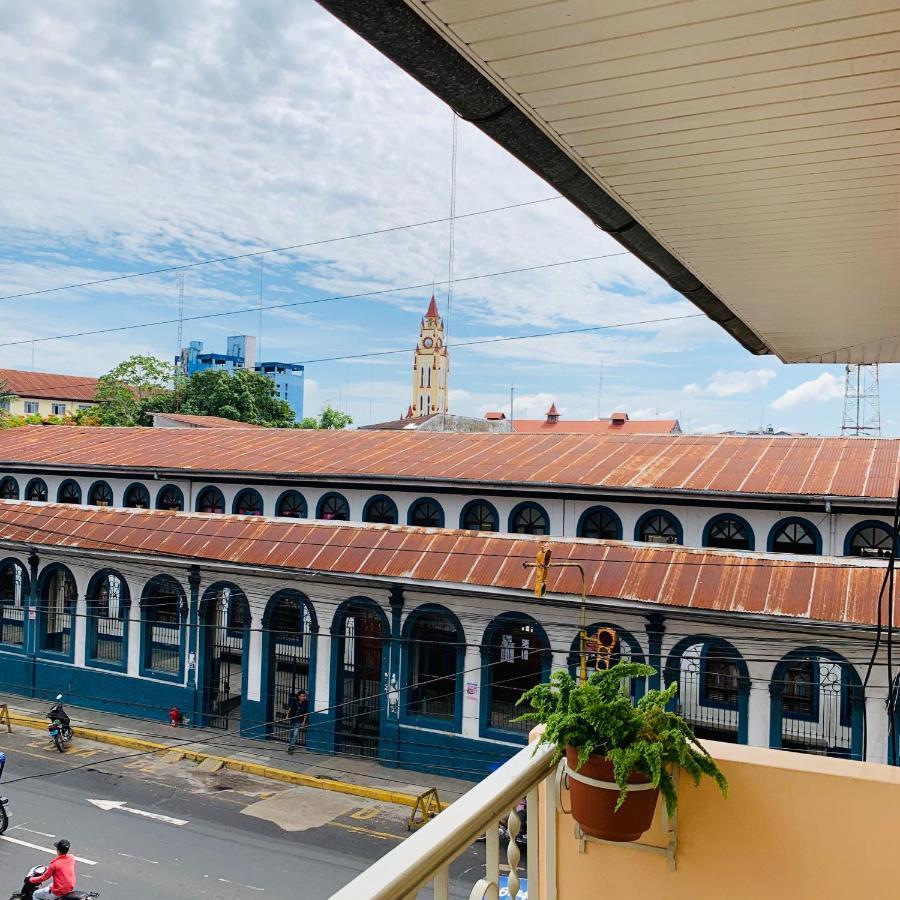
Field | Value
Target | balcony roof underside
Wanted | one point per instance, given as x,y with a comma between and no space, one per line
749,157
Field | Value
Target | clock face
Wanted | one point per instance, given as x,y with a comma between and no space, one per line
427,342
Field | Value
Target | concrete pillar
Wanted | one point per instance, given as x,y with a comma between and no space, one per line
323,640
876,725
471,718
79,632
133,664
254,664
759,703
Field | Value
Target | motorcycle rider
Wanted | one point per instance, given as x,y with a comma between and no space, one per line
61,870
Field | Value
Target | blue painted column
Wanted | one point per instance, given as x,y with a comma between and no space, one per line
30,624
656,628
744,685
389,745
857,720
193,643
776,691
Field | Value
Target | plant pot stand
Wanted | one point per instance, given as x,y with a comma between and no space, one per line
668,825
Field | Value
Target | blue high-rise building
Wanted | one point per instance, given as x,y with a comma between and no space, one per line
241,351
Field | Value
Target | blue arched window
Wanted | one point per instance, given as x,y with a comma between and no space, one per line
433,661
333,506
380,510
871,539
100,494
136,496
14,585
210,500
426,513
36,490
57,595
170,497
479,515
290,628
248,502
69,492
529,518
658,527
728,532
713,687
600,523
817,704
107,608
163,614
9,489
795,535
291,505
515,655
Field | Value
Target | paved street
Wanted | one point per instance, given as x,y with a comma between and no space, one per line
186,833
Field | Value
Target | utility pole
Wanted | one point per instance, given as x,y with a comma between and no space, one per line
862,405
512,394
180,313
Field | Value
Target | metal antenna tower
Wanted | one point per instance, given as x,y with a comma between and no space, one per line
862,407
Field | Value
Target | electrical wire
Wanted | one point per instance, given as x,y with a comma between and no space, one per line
297,303
260,253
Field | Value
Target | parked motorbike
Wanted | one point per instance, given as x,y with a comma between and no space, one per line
60,726
27,890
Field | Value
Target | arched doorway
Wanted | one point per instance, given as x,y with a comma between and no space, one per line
713,687
289,654
359,649
225,625
817,704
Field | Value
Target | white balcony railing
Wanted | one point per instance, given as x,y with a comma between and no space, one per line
424,858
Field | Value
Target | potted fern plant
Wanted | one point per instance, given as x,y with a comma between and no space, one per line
619,756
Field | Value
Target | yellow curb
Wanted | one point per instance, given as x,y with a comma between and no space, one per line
239,765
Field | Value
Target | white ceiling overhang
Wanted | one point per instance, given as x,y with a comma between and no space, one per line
748,152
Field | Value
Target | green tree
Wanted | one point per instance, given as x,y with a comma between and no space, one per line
242,395
125,390
329,418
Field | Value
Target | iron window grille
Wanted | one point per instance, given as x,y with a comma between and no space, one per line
381,511
248,503
69,492
872,541
334,507
659,529
599,524
480,516
515,665
210,500
9,489
794,537
426,514
728,533
100,494
433,653
12,607
170,498
529,518
58,602
36,490
108,621
137,497
291,505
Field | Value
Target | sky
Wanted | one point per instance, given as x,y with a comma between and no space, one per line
145,134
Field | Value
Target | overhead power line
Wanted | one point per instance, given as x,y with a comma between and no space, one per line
296,303
252,254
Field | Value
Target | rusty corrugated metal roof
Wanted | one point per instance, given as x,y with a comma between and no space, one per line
49,386
763,584
777,466
199,421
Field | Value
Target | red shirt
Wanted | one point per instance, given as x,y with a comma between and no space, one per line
62,871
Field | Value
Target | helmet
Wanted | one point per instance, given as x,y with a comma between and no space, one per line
62,846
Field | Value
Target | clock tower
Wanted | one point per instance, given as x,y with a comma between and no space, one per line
431,366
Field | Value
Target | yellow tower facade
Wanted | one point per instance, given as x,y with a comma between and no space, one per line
431,366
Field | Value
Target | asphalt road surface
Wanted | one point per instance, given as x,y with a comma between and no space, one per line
185,833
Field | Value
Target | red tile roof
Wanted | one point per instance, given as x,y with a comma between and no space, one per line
707,464
596,426
47,386
202,421
432,311
821,590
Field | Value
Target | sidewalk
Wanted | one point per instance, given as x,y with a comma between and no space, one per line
269,759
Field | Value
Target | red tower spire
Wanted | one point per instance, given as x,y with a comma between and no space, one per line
432,312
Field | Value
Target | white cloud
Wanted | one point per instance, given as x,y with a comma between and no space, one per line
819,390
730,384
715,428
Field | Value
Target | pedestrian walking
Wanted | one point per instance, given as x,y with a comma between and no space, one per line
297,717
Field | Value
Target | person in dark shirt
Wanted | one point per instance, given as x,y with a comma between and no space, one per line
297,717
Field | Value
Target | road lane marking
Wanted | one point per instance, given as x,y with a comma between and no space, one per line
119,805
384,835
32,831
155,862
249,887
12,840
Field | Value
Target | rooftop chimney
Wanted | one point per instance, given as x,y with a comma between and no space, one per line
619,418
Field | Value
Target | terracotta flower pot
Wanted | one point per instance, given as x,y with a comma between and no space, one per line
593,808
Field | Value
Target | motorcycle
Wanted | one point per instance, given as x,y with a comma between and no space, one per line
60,725
27,890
